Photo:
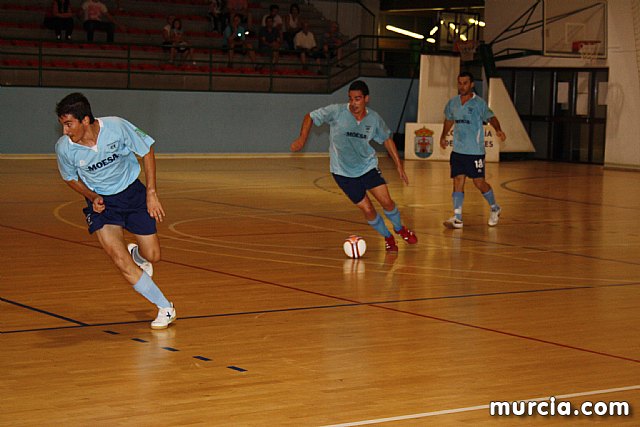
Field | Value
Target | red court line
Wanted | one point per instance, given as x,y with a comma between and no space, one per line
425,316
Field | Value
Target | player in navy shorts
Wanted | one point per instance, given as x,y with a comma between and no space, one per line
469,112
97,159
353,161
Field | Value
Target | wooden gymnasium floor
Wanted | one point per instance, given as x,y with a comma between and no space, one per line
278,328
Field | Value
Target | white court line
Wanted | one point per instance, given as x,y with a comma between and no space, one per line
479,407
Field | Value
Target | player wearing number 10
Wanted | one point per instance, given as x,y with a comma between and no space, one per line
468,112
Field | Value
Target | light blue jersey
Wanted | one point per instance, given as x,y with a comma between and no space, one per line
350,153
468,133
109,167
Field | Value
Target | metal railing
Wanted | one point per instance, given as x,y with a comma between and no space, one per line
44,63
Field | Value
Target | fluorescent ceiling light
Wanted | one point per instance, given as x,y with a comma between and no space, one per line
431,40
404,32
433,30
463,37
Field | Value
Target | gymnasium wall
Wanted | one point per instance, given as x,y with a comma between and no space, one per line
194,122
622,149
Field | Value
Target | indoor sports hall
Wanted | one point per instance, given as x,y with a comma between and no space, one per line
531,322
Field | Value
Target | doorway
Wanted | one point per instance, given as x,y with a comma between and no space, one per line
563,110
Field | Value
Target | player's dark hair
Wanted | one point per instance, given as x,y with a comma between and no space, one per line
77,105
466,74
361,86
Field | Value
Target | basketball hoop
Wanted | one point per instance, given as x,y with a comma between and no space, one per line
588,49
467,49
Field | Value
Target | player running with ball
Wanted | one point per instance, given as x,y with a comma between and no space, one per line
353,161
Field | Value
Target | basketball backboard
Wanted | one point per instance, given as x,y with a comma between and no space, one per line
573,28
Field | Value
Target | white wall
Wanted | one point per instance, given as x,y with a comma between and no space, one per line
622,148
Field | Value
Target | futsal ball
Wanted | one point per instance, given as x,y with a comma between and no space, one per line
354,246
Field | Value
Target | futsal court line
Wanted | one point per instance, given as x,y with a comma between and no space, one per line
305,263
56,213
535,250
47,313
373,305
194,239
481,407
306,308
505,185
348,300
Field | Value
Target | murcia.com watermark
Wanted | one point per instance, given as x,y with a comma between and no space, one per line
554,408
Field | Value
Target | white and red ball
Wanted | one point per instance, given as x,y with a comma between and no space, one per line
354,246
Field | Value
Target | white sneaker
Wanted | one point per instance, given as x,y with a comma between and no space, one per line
494,216
453,223
165,317
137,258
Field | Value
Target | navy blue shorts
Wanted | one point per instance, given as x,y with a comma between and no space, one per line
470,165
127,209
356,188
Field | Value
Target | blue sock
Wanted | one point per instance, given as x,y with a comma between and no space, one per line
378,225
458,199
148,289
394,217
491,199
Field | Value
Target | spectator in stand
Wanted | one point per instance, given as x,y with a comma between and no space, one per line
292,25
274,12
305,44
166,34
218,15
96,16
60,18
270,40
240,7
179,43
332,44
235,38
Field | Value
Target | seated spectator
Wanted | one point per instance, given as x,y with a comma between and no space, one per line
97,17
179,43
274,12
270,40
235,39
59,18
332,44
305,44
166,34
217,15
292,25
241,7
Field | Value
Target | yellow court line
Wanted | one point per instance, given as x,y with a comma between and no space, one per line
226,244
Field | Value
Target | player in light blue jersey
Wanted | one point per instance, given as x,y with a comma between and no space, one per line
469,112
353,161
97,158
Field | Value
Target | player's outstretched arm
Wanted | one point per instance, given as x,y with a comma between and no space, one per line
496,125
299,142
81,187
154,207
390,145
446,127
